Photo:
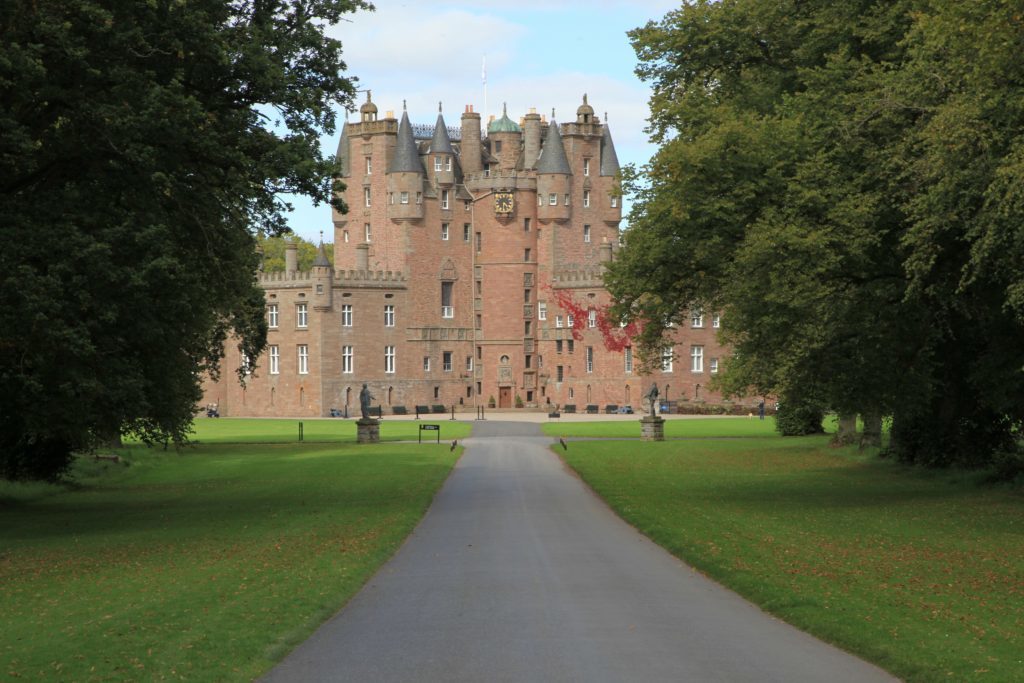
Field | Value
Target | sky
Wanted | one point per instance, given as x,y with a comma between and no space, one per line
541,54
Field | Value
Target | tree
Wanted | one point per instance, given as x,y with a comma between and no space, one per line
151,142
273,253
806,185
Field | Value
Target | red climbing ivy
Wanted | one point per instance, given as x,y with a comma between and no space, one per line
615,338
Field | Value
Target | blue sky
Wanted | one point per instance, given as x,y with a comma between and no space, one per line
539,54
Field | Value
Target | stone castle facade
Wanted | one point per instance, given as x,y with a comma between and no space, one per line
467,271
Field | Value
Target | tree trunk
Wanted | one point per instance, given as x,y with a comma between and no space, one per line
872,437
847,432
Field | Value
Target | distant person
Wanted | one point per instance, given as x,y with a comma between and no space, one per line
760,410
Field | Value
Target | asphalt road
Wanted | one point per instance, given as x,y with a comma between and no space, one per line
519,573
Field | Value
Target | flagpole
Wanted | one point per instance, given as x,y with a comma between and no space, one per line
483,76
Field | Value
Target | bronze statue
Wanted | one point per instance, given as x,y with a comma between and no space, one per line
364,402
652,396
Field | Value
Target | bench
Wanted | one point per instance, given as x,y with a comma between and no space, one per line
611,409
422,410
438,408
569,408
399,410
592,409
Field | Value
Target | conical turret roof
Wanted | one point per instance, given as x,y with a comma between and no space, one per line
609,160
441,143
321,260
407,155
552,156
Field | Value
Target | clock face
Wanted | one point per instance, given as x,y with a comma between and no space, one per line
503,202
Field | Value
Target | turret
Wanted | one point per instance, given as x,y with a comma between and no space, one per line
405,176
506,138
441,158
611,176
553,178
322,276
368,112
344,158
470,141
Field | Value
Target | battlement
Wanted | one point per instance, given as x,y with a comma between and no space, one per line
586,277
369,277
282,277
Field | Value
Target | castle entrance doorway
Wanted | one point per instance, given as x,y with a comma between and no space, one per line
504,397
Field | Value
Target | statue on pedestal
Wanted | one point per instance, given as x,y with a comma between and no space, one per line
365,397
652,397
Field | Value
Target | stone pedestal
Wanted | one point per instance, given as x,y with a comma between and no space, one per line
652,428
367,430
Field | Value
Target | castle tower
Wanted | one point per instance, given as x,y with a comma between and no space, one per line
441,158
322,276
611,204
506,138
531,138
554,177
405,176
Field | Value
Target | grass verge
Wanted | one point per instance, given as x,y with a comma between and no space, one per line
208,564
674,428
243,430
920,572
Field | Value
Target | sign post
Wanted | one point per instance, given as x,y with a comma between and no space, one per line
430,428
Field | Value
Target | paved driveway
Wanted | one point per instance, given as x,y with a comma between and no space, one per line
519,573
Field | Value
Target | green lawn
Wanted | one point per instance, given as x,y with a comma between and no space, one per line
209,564
921,572
694,428
243,430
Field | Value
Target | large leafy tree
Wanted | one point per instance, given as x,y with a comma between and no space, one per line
144,146
842,181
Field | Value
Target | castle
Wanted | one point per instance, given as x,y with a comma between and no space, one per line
467,271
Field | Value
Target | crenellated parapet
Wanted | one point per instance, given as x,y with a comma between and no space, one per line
584,277
285,277
387,278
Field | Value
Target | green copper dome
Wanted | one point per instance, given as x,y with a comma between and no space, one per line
504,124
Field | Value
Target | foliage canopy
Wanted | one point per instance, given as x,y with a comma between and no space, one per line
843,181
150,141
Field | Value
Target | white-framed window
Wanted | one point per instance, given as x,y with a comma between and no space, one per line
403,197
437,163
426,363
591,318
666,359
553,199
447,163
389,359
369,166
569,322
444,199
301,315
303,359
469,363
367,232
697,358
586,233
366,196
615,202
446,361
447,309
275,360
697,318
389,315
566,200
444,231
347,363
590,359
713,365
466,228
419,197
346,315
391,198
586,198
716,320
542,310
272,315
558,321
586,167
627,354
